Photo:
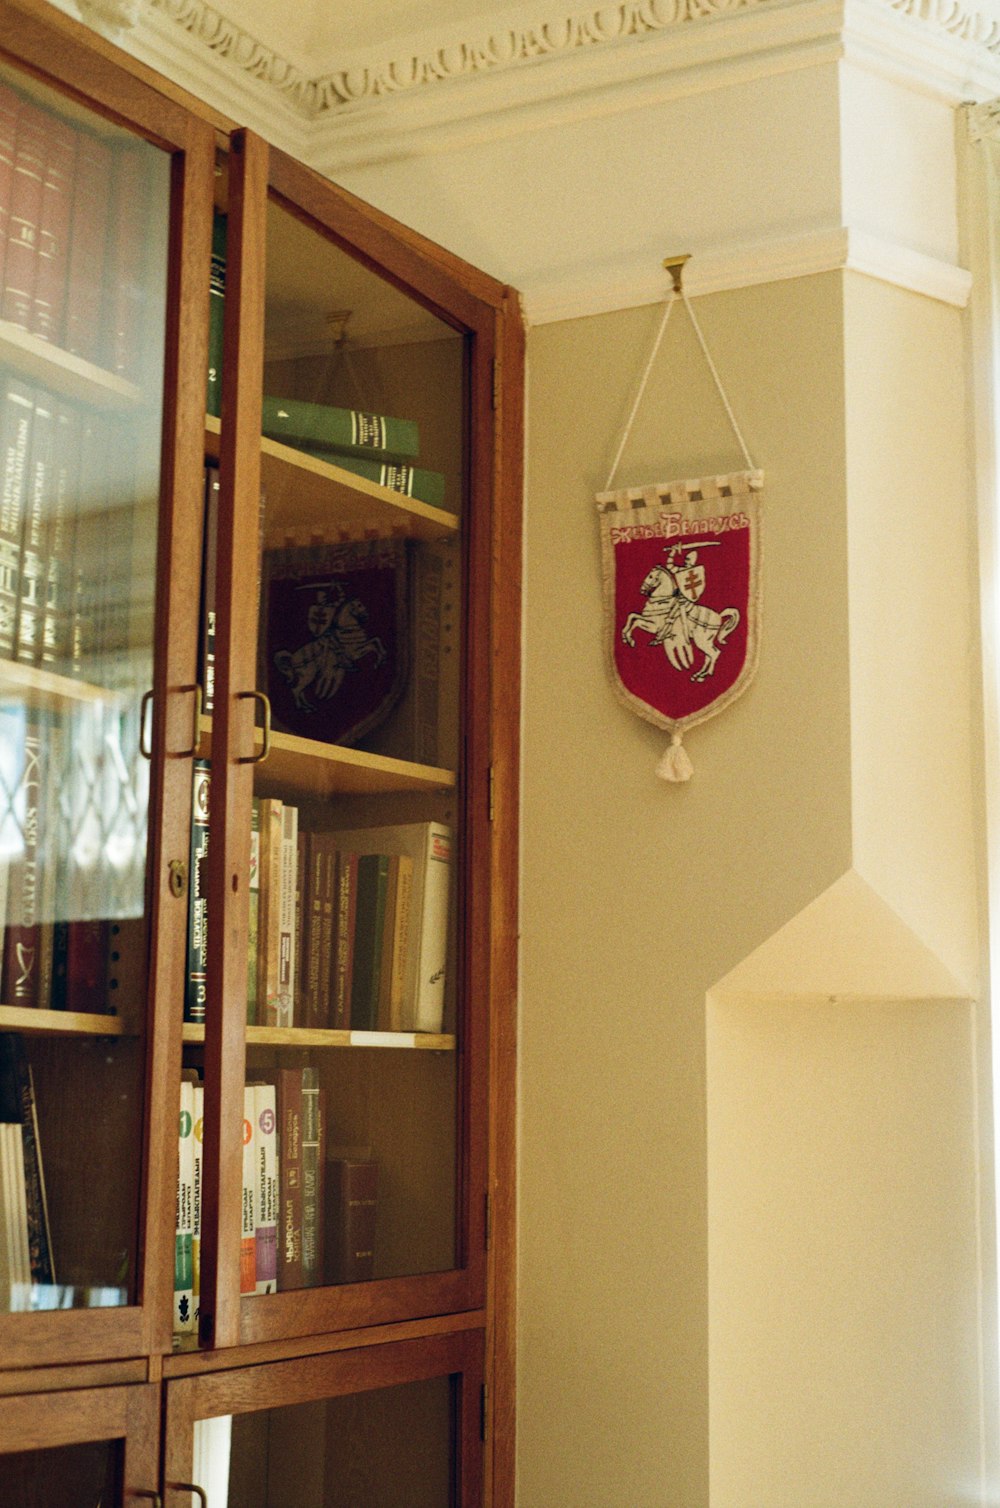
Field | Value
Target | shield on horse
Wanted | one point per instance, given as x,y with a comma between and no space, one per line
333,636
681,565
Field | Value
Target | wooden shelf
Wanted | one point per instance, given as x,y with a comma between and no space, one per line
307,1036
308,768
43,688
61,372
303,493
42,1023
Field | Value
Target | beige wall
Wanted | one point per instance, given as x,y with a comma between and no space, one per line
653,1356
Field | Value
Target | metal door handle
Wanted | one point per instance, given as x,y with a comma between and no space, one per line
258,696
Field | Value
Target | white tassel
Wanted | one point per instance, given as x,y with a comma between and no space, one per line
675,764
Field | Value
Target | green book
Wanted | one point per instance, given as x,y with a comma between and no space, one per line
350,431
254,898
373,875
411,481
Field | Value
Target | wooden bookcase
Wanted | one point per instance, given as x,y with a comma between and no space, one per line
149,515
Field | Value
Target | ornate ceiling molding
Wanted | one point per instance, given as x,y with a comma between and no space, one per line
510,45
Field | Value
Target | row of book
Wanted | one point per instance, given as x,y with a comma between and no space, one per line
304,1220
348,929
71,575
73,214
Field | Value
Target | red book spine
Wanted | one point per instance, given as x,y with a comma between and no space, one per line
49,302
125,264
10,105
88,235
87,966
21,260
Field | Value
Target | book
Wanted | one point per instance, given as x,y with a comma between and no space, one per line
197,951
313,1179
86,949
8,1254
21,937
387,937
345,431
409,481
18,1106
87,249
342,983
373,869
24,215
60,530
248,1205
17,406
216,314
429,845
286,914
352,1210
396,1003
34,541
266,1204
52,262
16,1216
301,928
289,1101
10,105
184,1321
310,972
122,319
253,937
269,913
197,1151
208,610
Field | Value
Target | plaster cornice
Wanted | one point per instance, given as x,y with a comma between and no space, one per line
512,45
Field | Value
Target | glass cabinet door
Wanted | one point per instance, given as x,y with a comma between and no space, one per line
356,647
397,1426
92,1448
88,456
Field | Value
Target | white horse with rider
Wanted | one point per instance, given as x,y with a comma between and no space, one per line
674,617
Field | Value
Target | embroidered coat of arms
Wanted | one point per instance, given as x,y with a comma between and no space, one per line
681,572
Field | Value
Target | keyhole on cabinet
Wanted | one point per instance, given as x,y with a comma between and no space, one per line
177,878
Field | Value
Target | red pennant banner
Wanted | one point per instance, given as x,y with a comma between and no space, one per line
681,563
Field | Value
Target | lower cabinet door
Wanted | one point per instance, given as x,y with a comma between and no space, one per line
396,1425
83,1448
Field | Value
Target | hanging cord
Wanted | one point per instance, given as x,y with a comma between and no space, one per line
673,296
672,299
718,382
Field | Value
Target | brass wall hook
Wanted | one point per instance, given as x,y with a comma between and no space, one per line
675,266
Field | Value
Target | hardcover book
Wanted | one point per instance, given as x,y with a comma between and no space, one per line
194,1002
289,1101
352,1218
349,432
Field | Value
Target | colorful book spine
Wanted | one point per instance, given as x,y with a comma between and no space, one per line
49,296
400,943
208,608
248,1204
21,259
313,1169
184,1320
289,1098
346,431
353,1210
197,954
286,913
266,1208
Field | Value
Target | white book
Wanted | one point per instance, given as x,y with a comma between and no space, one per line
7,1225
20,1249
431,846
286,956
266,1207
184,1319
